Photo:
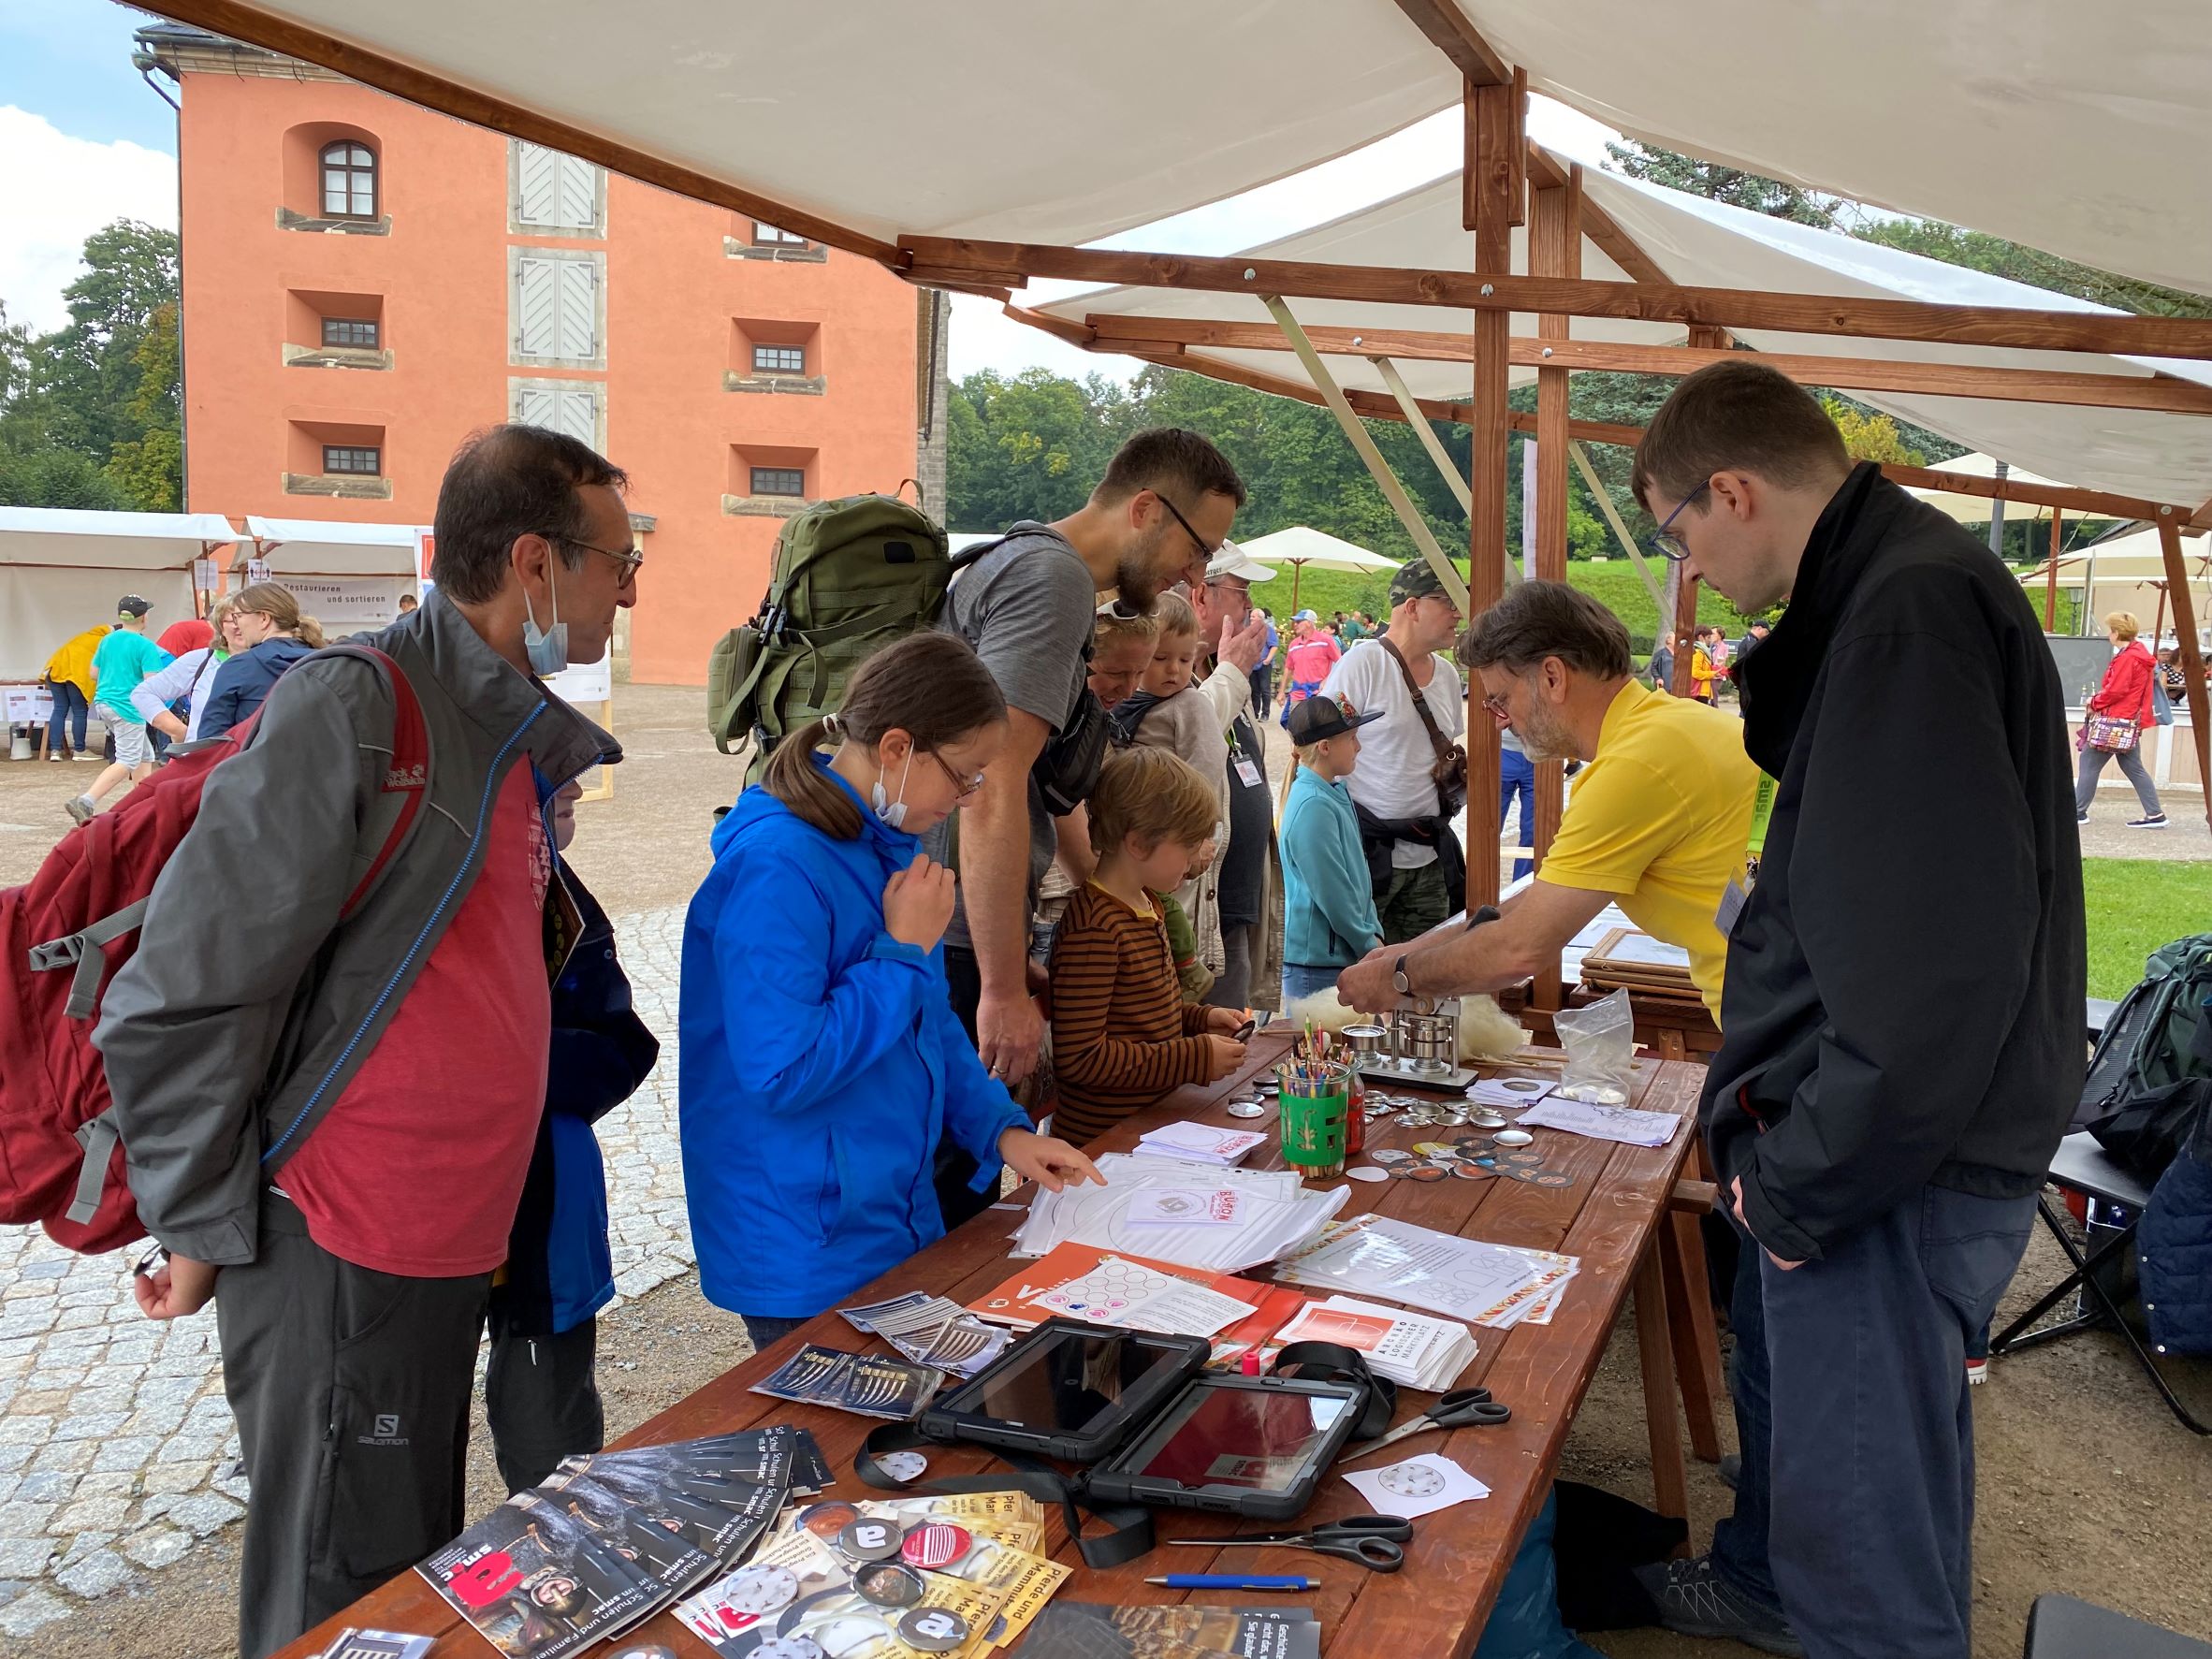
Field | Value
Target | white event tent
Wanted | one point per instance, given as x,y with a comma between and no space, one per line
63,569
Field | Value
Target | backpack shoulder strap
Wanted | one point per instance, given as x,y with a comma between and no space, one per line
397,805
1437,740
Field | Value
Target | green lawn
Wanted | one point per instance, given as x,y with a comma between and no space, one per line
2135,905
1613,581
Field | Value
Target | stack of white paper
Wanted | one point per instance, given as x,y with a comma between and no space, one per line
1274,1214
1199,1143
1498,1286
1139,1297
1411,1349
1603,1123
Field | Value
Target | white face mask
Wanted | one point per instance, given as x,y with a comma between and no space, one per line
893,813
547,651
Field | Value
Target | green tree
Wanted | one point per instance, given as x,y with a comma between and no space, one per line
150,467
56,478
1868,435
1716,183
1978,250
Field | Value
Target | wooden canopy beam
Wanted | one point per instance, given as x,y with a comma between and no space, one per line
2187,651
294,40
1448,30
2094,502
938,260
2163,394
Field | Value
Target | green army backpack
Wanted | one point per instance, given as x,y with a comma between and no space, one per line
848,577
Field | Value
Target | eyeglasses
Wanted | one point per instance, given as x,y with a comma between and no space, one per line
1497,708
1204,552
629,559
1664,541
961,787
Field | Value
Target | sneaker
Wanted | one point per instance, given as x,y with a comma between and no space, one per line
56,754
86,755
2081,818
2154,821
1695,1600
81,808
1978,1373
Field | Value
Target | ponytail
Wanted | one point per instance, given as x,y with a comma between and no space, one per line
311,634
794,779
928,685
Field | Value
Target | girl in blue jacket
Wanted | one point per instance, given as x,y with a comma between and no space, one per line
1328,916
820,1058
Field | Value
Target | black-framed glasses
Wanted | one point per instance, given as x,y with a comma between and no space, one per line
1664,541
629,559
1204,552
961,787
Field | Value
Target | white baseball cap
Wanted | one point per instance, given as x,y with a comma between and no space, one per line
1231,561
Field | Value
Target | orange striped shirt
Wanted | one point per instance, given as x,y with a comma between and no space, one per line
1121,1034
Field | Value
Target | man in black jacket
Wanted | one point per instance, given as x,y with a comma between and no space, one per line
1903,1014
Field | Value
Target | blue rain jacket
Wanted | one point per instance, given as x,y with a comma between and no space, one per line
819,1062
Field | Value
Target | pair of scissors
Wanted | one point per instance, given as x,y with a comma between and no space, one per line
1377,1542
1459,1409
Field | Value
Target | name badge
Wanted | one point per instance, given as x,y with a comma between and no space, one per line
1732,903
1248,774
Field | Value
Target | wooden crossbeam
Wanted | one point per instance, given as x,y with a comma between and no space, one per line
951,259
404,81
1458,40
2097,502
2163,394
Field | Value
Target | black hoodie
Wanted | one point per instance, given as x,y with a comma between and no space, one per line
1904,995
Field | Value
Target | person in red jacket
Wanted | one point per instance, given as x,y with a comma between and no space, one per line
2125,695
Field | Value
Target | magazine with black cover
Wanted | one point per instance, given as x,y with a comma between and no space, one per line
1068,1389
537,1584
720,1518
673,1562
1258,1447
377,1644
1094,1630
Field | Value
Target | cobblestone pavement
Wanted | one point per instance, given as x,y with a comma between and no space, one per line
117,1450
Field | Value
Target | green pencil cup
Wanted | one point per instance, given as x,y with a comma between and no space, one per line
1313,1132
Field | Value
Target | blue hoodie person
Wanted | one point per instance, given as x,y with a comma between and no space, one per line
1328,916
274,636
820,1058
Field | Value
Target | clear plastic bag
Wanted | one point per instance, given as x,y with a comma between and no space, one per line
1600,1043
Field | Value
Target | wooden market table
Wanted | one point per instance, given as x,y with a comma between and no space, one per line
1615,1217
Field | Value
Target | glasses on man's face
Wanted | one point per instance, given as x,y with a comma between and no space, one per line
961,787
1204,552
1665,542
628,557
1499,708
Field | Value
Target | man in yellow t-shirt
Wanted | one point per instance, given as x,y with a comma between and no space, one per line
1659,822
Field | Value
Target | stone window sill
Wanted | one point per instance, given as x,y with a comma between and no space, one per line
355,486
764,507
336,356
777,254
809,385
288,220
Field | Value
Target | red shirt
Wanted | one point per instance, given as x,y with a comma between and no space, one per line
188,635
417,1167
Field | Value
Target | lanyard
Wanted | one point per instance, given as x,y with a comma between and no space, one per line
1761,815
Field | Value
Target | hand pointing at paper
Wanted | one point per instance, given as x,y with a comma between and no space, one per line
1052,1164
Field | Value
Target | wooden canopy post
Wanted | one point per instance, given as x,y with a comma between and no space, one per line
1554,249
2050,580
2189,653
1497,152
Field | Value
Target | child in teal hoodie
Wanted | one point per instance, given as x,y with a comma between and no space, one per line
1328,919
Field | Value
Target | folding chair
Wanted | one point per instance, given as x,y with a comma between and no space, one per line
2060,1627
2082,1166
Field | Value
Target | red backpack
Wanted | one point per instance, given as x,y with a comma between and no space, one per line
61,1161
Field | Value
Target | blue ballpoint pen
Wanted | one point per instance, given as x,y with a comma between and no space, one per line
1232,1581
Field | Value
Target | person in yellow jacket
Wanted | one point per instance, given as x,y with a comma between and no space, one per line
69,677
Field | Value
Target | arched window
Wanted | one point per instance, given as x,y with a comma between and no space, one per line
349,180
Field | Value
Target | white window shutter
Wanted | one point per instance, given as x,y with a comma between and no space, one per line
536,406
578,191
578,309
537,308
576,414
538,177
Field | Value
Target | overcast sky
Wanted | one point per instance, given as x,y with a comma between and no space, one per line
84,141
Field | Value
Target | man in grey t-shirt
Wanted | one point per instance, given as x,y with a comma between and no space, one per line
1167,501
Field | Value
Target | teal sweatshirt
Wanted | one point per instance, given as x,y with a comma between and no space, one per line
1329,918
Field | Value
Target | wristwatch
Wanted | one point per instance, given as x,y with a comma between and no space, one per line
1399,982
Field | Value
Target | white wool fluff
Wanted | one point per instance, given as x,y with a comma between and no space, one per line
1485,1032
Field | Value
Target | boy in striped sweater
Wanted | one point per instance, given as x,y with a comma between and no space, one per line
1122,1034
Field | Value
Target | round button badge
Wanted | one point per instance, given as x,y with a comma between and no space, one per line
934,1630
1247,1109
758,1590
887,1585
903,1465
936,1545
871,1540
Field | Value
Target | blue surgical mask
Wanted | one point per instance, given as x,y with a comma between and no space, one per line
893,813
547,651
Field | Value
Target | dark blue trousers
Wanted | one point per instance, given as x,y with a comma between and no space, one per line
1516,780
1865,1493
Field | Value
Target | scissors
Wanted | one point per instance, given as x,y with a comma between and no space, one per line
1377,1542
1459,1409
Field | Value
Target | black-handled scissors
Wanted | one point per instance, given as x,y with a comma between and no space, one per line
1377,1542
1459,1409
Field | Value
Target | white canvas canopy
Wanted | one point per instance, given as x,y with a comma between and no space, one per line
2150,455
323,548
63,569
2062,125
1974,509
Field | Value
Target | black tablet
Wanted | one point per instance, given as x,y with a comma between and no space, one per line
1069,1390
1252,1445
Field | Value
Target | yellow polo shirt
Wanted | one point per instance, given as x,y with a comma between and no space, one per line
1660,820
